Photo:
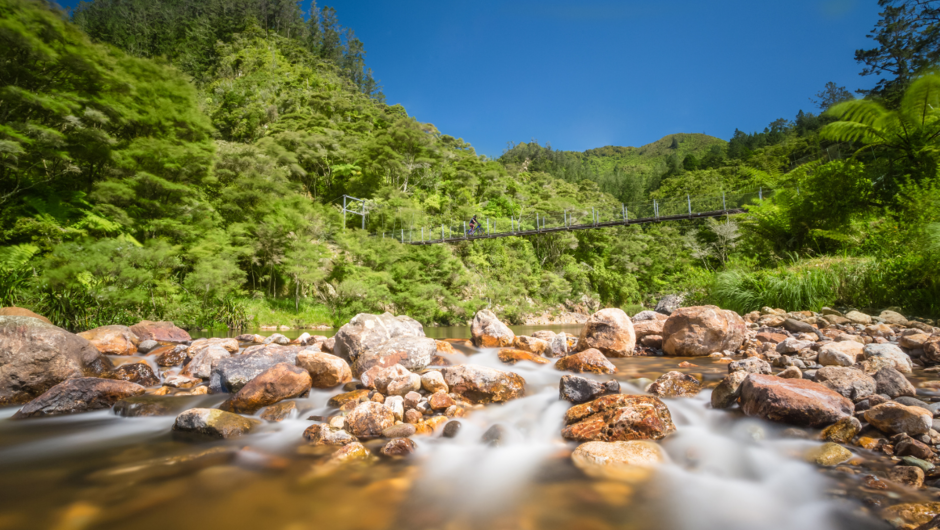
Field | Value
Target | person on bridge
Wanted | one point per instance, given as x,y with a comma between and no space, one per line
473,226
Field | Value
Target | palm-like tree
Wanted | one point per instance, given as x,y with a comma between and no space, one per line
908,136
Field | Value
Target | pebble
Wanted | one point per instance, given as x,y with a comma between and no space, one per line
912,476
829,454
451,429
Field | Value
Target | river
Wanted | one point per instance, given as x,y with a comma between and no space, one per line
726,471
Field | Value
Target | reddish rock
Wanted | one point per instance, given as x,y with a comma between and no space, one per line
282,381
618,417
80,394
609,331
530,344
592,361
675,384
701,330
112,340
479,384
509,356
278,411
348,397
440,401
368,420
771,338
35,356
204,362
645,328
489,332
378,377
895,418
794,401
166,356
22,312
652,341
399,447
445,347
160,331
326,370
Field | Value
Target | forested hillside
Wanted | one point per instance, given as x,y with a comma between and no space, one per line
183,161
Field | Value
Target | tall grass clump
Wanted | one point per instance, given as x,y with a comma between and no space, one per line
791,290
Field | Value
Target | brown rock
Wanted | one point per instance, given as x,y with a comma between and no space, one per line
281,381
591,360
794,401
645,328
170,355
851,383
701,330
323,434
513,356
112,340
399,447
368,420
630,461
478,384
912,476
22,312
842,431
610,331
530,344
909,516
675,384
440,401
139,373
160,332
348,397
213,423
893,418
489,332
618,417
326,370
771,338
35,356
378,377
908,446
652,341
413,417
228,344
81,394
202,364
278,411
445,347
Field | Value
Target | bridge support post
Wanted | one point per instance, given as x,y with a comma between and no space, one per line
760,194
689,198
723,205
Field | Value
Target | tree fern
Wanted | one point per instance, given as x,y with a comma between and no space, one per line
16,257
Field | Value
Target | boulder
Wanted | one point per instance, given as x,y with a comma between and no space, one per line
842,431
851,350
147,346
81,394
701,330
22,312
112,340
545,334
618,417
414,353
170,355
751,365
912,342
674,385
591,360
652,341
276,338
149,405
326,370
576,389
35,356
647,315
609,331
232,373
895,418
433,381
892,317
399,447
902,362
646,328
728,390
402,385
139,373
912,476
323,434
281,381
478,384
669,304
792,345
849,382
228,344
530,344
833,357
378,377
204,362
618,460
510,356
560,345
348,397
893,384
365,331
279,411
368,420
213,423
858,317
795,401
488,332
160,331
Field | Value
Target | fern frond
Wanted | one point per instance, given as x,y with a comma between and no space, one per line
16,256
848,131
921,102
860,111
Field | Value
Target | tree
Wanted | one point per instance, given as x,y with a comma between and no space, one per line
907,135
829,96
908,37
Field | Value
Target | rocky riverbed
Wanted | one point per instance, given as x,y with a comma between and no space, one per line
701,418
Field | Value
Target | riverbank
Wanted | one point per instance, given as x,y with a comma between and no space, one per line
613,425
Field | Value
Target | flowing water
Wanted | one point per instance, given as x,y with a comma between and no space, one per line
726,471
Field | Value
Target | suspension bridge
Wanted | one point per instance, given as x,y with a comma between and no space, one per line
539,222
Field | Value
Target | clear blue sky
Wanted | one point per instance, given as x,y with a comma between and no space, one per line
589,73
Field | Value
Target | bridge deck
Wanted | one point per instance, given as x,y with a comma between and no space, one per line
548,230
